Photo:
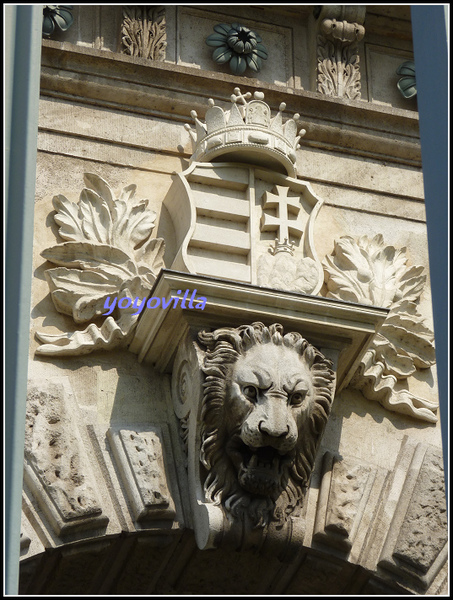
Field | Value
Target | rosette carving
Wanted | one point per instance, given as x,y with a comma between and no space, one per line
108,251
368,272
237,45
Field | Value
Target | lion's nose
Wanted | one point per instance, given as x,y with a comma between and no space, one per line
273,429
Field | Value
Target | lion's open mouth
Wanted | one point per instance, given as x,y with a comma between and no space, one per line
260,470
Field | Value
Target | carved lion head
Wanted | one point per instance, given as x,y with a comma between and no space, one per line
267,398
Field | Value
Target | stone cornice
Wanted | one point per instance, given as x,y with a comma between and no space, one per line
168,91
332,325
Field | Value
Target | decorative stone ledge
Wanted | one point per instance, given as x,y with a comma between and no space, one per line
343,328
133,84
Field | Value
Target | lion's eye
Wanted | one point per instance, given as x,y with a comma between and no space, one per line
297,398
251,392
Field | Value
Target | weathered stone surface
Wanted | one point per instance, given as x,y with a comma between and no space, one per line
140,459
56,462
345,492
411,550
371,520
424,530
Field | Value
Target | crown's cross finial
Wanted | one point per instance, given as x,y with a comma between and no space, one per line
239,104
248,131
237,96
282,223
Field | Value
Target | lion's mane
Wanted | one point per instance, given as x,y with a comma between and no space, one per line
223,348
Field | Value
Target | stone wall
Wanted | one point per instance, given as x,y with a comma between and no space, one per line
109,480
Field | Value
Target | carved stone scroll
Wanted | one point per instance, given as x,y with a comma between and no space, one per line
143,31
340,29
368,272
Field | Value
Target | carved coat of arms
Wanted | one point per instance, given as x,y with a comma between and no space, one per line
246,218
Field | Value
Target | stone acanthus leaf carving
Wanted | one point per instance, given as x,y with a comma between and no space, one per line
368,272
267,398
107,252
337,54
143,32
338,70
56,464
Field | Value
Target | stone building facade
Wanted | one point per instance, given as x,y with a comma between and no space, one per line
232,377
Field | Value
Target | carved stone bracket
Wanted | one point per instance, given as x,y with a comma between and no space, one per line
57,469
141,460
416,542
340,29
341,330
248,471
253,431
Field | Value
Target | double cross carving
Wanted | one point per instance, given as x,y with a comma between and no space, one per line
285,206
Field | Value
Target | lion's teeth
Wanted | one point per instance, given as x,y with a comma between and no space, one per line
253,461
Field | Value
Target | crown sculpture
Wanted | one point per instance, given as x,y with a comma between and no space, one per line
246,133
